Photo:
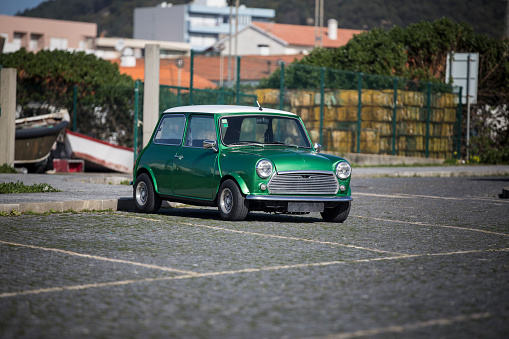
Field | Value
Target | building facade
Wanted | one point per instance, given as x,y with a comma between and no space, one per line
36,34
201,23
268,38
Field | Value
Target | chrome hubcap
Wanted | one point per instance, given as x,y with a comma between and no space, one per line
141,193
226,201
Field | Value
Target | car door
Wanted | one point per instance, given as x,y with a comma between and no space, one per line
167,141
195,167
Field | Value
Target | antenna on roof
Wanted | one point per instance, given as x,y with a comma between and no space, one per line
259,106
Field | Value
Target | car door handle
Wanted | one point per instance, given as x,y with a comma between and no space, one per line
180,157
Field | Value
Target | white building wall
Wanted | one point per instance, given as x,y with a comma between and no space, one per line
253,42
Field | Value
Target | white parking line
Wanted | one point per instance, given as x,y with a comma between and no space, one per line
410,196
293,238
97,257
278,236
234,272
431,225
409,327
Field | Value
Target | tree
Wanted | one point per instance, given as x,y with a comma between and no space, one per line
46,83
419,53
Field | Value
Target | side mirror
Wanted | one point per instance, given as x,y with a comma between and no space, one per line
317,147
210,144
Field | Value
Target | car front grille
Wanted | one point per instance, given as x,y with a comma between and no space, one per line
303,183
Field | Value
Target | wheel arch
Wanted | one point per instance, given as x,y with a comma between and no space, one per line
149,172
237,179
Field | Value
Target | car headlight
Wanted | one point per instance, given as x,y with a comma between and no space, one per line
264,168
343,170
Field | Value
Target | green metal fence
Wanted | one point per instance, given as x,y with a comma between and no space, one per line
352,112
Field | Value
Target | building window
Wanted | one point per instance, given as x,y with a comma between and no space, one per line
263,49
18,40
57,43
35,42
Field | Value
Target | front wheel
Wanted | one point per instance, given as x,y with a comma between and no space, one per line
146,200
338,213
230,202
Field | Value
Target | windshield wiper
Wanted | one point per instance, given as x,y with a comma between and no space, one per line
283,143
246,143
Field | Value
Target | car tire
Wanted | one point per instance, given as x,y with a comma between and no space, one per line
338,213
146,200
230,202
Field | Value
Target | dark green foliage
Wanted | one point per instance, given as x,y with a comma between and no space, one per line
104,96
418,53
115,17
19,187
7,169
487,17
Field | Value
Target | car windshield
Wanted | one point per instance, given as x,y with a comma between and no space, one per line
262,130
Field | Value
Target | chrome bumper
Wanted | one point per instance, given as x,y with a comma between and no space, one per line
297,198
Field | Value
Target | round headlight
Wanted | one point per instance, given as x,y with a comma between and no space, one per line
343,170
264,168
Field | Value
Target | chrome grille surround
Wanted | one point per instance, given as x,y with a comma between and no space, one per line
304,182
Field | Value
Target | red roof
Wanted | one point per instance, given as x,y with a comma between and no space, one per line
299,35
168,74
252,67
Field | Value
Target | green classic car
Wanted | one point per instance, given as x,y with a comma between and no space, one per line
239,159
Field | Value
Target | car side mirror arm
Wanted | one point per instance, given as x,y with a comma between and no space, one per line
317,147
212,144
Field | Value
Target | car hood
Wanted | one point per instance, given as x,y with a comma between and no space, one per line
289,159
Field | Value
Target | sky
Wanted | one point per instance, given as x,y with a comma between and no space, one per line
11,7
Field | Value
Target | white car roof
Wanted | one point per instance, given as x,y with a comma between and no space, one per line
224,109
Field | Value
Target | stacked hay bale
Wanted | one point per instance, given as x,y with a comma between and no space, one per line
341,115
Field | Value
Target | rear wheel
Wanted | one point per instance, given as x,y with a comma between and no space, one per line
338,213
146,200
230,202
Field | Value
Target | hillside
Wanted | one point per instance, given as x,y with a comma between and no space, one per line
115,17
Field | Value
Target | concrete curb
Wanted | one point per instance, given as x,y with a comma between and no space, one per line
122,204
101,187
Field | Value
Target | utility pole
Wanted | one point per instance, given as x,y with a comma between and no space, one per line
505,34
318,22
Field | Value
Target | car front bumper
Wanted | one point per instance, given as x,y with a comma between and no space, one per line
297,198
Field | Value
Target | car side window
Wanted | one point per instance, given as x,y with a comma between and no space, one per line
170,130
200,128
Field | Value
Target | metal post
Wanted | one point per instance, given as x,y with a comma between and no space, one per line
359,112
459,115
74,104
282,86
427,119
136,104
322,101
468,107
230,47
191,70
238,78
394,116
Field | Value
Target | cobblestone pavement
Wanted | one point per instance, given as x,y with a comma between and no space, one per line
418,257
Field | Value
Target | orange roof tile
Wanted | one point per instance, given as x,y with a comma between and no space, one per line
252,67
168,74
299,35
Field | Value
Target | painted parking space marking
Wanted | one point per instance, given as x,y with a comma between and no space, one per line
296,239
89,256
410,196
192,275
278,236
409,327
418,223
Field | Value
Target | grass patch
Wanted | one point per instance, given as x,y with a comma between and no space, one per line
15,213
19,187
7,169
